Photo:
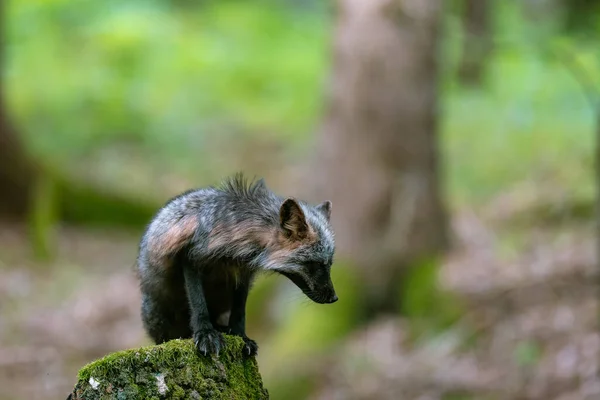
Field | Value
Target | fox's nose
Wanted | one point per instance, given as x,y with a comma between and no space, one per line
333,299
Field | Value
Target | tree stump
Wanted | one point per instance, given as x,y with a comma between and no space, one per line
173,370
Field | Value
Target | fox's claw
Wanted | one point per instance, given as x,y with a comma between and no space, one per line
250,347
208,341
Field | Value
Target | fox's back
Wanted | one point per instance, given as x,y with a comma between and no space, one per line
197,214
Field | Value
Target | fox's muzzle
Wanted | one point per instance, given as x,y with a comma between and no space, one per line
324,295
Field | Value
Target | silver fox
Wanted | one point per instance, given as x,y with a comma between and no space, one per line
201,252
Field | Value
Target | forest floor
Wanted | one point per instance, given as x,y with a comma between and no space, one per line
527,271
57,317
530,331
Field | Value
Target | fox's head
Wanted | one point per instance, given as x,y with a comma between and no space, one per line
305,249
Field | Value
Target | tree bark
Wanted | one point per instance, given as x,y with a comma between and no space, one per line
378,144
477,44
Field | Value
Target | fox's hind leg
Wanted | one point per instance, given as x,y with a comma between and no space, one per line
164,325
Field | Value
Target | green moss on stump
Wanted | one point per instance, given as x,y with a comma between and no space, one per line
172,370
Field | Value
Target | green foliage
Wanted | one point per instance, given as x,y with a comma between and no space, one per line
93,206
527,353
136,374
43,217
419,286
458,396
532,121
158,82
582,17
257,319
151,86
424,302
298,386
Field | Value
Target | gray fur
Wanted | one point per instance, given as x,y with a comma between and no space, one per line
215,244
238,201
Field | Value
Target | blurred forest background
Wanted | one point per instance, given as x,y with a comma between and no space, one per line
455,139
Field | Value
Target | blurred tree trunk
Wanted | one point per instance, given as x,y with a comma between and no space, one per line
379,147
16,170
476,42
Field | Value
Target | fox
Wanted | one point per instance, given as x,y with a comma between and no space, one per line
201,252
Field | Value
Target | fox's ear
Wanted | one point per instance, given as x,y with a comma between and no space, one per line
325,209
292,219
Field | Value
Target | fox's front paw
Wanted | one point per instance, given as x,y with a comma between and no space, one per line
250,347
208,341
